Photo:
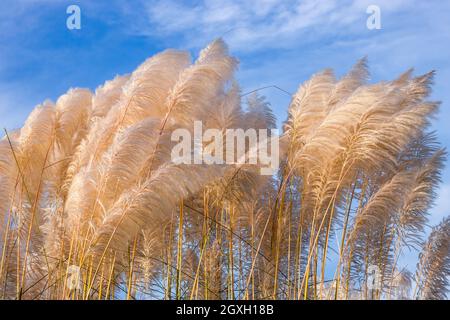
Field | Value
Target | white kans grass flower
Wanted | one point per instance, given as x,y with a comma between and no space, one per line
162,184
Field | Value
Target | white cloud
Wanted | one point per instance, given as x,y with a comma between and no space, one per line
248,25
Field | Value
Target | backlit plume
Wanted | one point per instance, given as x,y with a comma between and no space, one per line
93,207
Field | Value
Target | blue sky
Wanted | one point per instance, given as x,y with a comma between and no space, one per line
277,42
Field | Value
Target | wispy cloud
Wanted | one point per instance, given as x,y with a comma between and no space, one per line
250,26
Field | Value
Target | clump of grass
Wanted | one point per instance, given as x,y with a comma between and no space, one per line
88,182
